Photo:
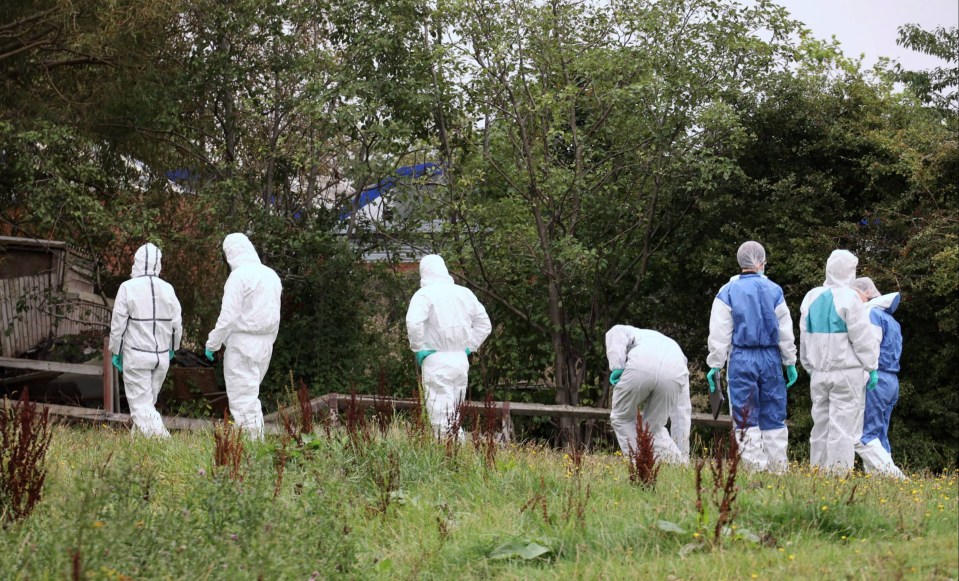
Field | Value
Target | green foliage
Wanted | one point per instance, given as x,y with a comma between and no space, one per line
601,163
938,86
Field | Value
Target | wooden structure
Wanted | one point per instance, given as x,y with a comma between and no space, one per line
46,291
335,402
111,383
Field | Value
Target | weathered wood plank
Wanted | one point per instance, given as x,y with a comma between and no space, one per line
78,415
76,368
513,408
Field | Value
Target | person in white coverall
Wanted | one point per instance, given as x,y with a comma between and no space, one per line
649,370
873,447
445,323
840,351
145,331
751,329
248,324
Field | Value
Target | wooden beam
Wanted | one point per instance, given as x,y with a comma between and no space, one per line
78,415
513,408
79,369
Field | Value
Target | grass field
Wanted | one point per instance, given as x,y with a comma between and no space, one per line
398,506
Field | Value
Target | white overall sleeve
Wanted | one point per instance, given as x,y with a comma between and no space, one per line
118,322
787,341
481,326
416,317
720,334
618,342
229,313
177,324
861,334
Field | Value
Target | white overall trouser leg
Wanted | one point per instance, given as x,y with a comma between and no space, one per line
654,387
838,403
445,376
680,421
245,363
143,375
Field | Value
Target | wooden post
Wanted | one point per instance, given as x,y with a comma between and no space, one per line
107,377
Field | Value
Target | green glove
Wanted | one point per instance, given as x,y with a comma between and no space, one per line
209,354
614,376
423,354
791,375
171,354
873,380
709,378
118,362
468,352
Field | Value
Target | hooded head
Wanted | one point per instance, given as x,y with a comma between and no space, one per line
751,255
888,303
433,270
146,261
865,285
239,251
841,268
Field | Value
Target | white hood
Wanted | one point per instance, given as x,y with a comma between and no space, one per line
888,303
841,268
433,271
239,251
146,261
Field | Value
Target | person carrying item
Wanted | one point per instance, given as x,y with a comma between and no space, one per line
648,371
751,329
839,350
145,330
873,447
248,324
445,323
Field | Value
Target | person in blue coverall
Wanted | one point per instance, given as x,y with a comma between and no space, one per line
750,327
873,447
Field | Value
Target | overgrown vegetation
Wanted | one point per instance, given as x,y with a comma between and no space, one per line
24,440
396,506
586,179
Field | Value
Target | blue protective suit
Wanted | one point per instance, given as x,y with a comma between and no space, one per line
750,326
880,401
874,448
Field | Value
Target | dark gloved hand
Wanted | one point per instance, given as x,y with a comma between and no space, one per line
709,379
791,375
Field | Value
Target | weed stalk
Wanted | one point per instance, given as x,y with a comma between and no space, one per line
643,468
24,440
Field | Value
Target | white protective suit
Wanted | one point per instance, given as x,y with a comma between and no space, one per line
655,377
449,319
248,323
838,349
146,325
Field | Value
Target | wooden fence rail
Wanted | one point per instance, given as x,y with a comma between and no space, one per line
338,401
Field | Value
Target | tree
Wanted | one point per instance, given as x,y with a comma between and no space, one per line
938,86
586,118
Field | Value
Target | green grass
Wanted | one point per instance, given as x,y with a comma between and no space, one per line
397,507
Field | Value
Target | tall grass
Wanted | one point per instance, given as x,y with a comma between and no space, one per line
394,505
